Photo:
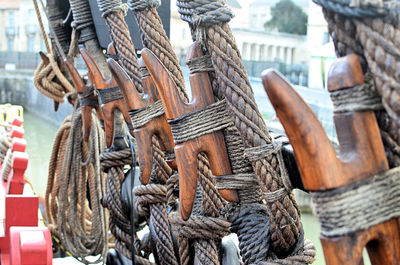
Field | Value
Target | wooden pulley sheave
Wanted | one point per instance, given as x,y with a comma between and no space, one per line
110,97
153,120
87,96
186,152
350,178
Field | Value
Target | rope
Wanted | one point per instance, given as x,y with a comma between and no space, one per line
109,94
155,39
212,118
345,8
74,183
360,205
126,52
45,75
6,167
208,18
120,224
374,40
114,12
200,64
83,20
145,115
358,98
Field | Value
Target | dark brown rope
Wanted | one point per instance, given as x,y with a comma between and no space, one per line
233,82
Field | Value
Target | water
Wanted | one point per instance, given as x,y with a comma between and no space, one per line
40,135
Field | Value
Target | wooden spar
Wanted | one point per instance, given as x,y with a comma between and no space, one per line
108,108
361,156
157,126
211,144
86,110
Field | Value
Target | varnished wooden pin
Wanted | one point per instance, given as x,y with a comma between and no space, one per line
211,144
361,156
91,101
157,126
109,95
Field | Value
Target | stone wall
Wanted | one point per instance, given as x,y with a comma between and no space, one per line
16,87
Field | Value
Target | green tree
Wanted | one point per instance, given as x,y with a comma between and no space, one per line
287,17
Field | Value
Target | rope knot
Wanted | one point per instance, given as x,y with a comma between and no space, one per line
149,194
200,227
139,5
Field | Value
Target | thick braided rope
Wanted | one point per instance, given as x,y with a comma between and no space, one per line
155,38
120,223
82,230
123,43
344,7
154,196
343,30
233,81
122,40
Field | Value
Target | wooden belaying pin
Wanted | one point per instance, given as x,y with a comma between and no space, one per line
212,144
361,156
88,102
138,102
109,95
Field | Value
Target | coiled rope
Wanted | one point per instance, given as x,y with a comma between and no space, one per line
48,78
74,189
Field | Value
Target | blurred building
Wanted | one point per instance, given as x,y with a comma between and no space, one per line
19,30
320,45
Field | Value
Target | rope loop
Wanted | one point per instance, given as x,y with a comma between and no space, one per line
139,5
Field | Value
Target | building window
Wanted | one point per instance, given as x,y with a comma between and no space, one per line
326,38
31,44
11,19
10,45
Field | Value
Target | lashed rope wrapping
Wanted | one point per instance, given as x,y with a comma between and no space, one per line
145,115
360,205
358,98
208,18
375,41
83,20
214,117
126,52
82,229
155,39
